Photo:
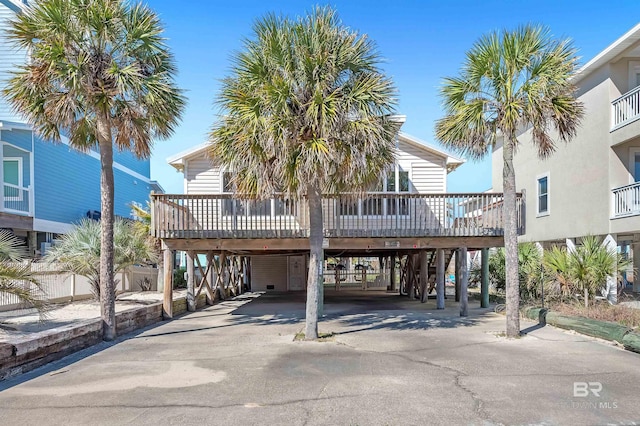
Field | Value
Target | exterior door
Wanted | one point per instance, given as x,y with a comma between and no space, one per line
297,274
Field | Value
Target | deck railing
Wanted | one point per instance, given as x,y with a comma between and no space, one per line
345,216
626,108
626,200
16,199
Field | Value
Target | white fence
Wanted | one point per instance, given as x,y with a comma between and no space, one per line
64,286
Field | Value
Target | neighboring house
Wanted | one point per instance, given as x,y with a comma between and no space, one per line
407,213
47,187
592,184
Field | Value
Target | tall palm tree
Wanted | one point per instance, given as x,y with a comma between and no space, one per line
16,279
307,111
101,75
511,81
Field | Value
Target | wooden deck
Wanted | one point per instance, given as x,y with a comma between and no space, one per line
377,220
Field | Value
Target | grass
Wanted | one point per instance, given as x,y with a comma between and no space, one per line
322,337
601,311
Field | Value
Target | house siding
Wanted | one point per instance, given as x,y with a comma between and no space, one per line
129,160
427,172
202,177
19,138
67,185
10,56
267,271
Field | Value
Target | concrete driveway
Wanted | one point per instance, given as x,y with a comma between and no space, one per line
391,362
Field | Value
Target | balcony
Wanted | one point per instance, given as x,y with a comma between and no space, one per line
626,200
376,215
16,200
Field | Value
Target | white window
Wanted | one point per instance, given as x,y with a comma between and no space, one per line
266,208
394,181
12,178
542,183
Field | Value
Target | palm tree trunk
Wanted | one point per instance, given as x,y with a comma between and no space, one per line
316,260
107,290
511,239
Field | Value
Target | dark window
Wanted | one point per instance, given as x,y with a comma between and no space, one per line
543,195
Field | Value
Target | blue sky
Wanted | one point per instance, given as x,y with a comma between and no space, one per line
421,41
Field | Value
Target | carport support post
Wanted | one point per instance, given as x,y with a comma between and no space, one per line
424,274
392,271
210,277
167,301
484,281
457,272
191,298
440,278
222,288
464,282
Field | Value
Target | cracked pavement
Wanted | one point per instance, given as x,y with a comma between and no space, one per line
391,361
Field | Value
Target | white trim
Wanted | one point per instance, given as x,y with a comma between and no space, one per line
41,225
608,54
116,165
548,211
632,163
634,70
20,185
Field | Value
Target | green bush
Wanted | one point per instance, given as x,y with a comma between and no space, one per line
178,278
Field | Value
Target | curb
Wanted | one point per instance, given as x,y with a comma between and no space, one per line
30,352
606,330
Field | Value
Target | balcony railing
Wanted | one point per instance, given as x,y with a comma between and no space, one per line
626,108
16,199
626,200
385,215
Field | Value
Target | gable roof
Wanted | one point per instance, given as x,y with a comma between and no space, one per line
178,160
614,49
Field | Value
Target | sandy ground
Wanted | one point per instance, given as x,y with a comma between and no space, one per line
21,323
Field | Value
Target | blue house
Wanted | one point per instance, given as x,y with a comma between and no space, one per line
48,187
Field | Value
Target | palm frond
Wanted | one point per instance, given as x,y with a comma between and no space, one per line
306,102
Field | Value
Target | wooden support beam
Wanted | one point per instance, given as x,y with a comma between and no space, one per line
222,275
167,301
412,276
464,282
392,271
191,296
204,281
424,274
484,280
457,272
210,284
440,278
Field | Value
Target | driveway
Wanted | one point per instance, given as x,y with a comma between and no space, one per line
391,361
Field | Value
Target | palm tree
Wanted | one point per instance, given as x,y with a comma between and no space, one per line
17,279
511,81
306,111
586,267
100,74
79,251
